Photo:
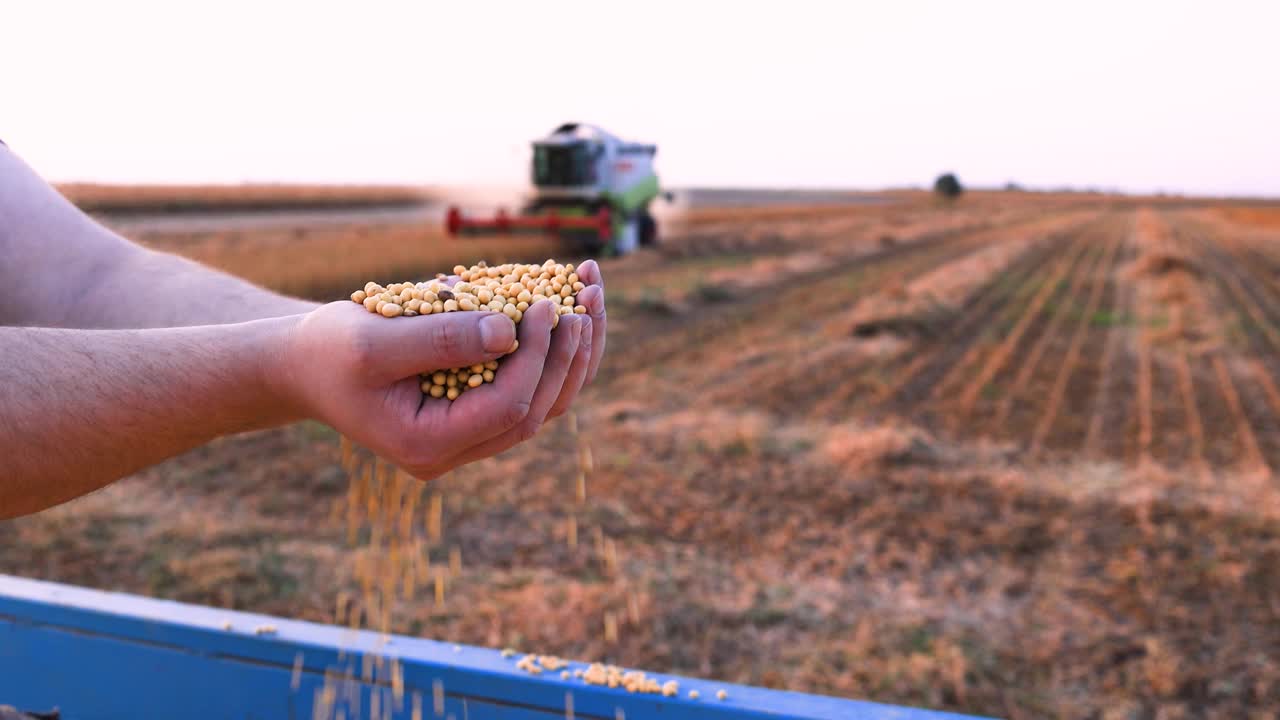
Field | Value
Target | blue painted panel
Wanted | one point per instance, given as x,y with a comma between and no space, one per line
107,655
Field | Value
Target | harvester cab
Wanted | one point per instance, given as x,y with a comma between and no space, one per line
590,188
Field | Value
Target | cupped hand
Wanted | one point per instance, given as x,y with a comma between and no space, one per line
358,372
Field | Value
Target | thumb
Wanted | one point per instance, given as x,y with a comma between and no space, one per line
409,346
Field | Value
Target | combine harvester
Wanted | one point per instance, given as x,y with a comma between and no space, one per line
105,656
591,189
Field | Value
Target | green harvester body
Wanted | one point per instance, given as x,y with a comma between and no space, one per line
589,187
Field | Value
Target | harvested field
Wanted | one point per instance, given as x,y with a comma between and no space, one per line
1015,456
128,199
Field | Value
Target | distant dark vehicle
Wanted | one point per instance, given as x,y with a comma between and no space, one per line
948,186
1012,186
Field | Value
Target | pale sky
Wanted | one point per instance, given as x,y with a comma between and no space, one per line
1140,96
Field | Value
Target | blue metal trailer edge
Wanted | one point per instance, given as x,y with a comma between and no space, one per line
102,655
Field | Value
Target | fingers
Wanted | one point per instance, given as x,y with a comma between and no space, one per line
493,409
539,381
564,348
578,370
589,273
394,350
563,351
592,297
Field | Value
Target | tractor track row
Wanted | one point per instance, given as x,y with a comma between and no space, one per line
1055,359
1055,376
1073,350
1064,420
664,337
1242,280
932,359
823,375
827,380
975,332
1045,341
1116,402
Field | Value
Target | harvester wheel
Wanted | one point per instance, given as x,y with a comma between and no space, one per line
648,230
590,245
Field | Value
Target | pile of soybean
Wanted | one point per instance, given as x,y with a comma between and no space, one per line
509,289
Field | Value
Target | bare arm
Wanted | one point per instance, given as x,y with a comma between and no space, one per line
60,268
210,355
80,408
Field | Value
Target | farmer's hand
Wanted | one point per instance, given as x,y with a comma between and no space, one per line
359,372
592,297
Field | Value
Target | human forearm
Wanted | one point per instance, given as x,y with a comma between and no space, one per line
79,409
62,269
148,289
